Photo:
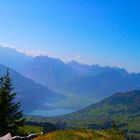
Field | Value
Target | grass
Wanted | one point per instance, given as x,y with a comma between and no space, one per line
80,135
32,129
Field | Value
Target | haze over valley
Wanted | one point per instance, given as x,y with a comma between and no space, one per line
70,65
62,87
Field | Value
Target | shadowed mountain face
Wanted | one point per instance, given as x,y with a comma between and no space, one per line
106,83
80,79
12,58
49,72
32,95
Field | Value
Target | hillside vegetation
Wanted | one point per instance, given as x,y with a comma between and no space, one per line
80,135
32,129
123,108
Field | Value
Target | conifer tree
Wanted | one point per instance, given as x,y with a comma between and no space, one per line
11,117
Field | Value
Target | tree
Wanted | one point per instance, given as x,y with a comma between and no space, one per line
11,118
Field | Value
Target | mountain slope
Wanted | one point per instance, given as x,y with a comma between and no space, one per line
105,84
80,79
32,95
123,108
85,70
80,82
48,71
12,58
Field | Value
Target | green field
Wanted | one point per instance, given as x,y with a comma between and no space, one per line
32,129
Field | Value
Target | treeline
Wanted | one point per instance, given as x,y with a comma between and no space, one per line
47,126
110,126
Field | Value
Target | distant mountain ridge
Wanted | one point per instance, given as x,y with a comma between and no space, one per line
32,96
86,70
92,81
12,58
49,71
106,83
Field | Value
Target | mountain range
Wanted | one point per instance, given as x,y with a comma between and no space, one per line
67,85
106,83
80,82
12,58
48,71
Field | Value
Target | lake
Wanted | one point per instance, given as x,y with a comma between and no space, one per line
50,113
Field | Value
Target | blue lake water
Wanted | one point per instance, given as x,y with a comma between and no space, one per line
50,113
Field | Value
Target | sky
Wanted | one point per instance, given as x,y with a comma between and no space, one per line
105,32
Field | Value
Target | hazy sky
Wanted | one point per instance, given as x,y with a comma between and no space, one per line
106,32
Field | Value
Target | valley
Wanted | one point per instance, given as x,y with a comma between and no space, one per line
78,96
69,70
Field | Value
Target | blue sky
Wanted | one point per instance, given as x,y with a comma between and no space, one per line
106,32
